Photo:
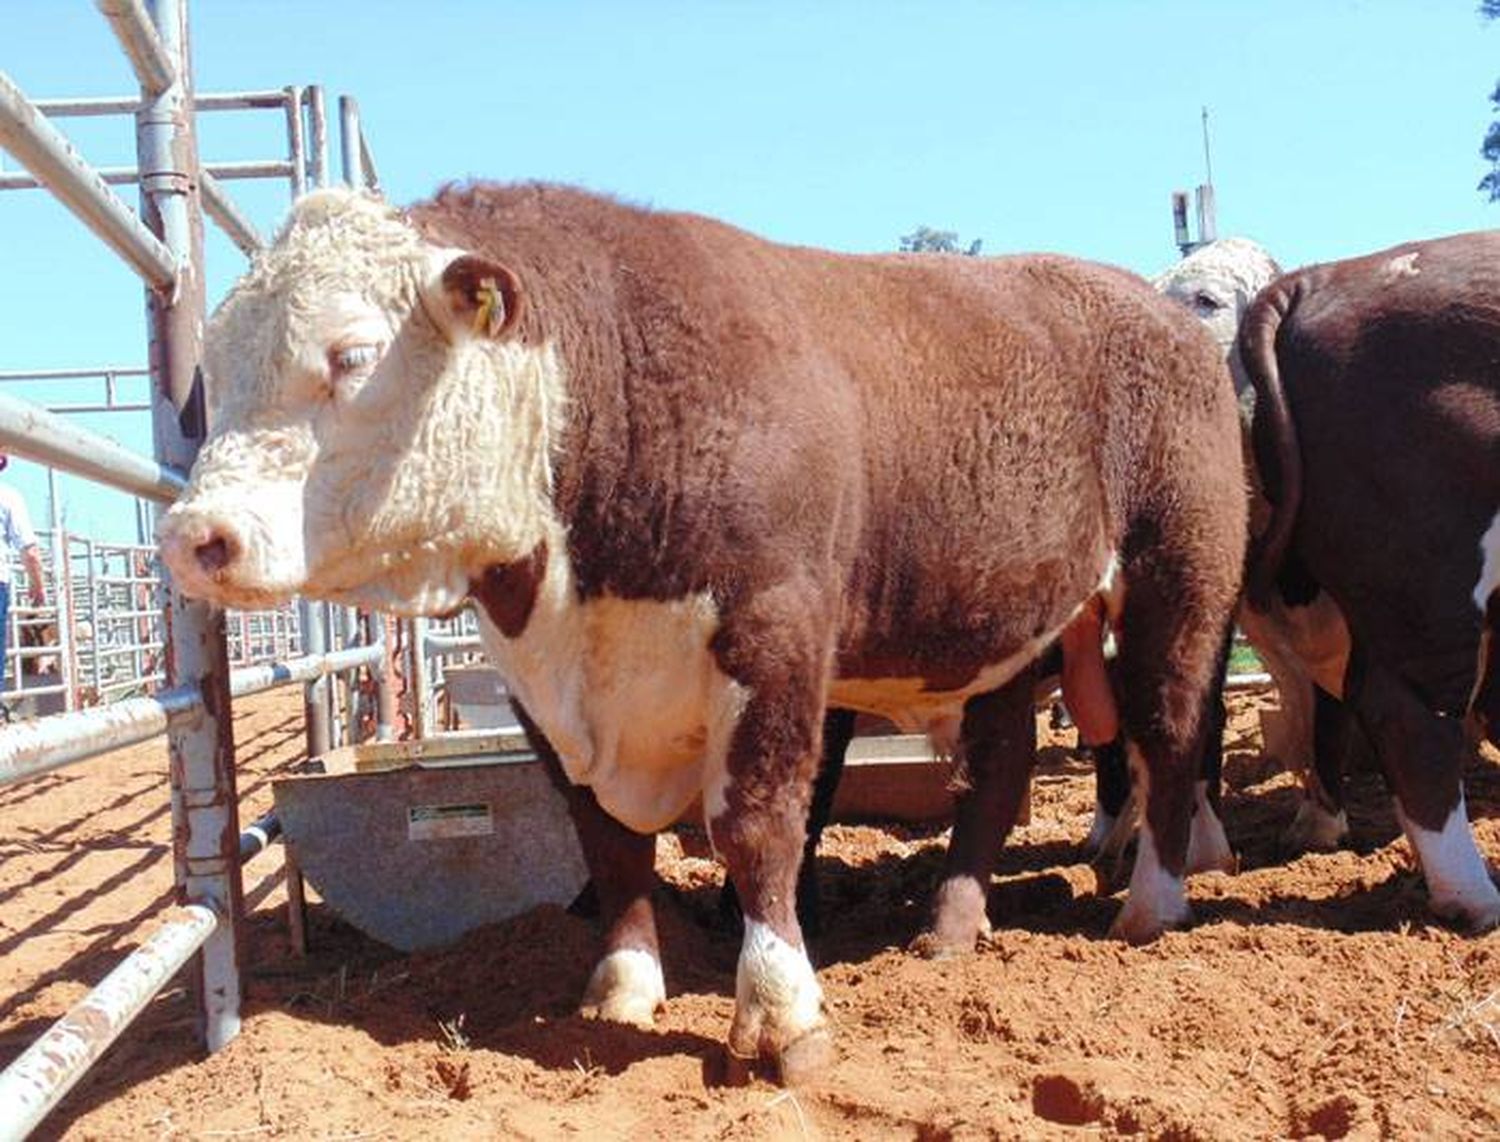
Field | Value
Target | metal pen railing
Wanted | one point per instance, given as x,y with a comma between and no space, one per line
163,245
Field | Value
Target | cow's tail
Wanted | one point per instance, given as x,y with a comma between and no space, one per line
1278,456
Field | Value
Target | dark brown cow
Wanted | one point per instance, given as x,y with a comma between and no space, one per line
704,487
1377,430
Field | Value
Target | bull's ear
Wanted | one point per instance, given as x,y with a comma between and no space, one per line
476,296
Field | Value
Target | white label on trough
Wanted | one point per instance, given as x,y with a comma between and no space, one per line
438,822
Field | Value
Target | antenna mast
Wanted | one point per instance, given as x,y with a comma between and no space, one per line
1208,161
1208,226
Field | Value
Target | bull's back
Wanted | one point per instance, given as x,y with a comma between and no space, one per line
1018,414
1387,362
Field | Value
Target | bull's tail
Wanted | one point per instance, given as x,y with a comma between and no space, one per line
1277,453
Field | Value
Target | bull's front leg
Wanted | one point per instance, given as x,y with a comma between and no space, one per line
757,818
627,985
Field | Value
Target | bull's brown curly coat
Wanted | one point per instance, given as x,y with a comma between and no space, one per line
882,483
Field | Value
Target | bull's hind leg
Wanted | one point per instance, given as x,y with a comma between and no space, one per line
627,985
1422,755
1172,634
998,740
777,647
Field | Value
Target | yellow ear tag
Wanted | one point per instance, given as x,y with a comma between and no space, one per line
489,315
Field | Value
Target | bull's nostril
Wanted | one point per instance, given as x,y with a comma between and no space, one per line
214,555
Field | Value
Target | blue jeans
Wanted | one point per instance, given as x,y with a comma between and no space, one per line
4,629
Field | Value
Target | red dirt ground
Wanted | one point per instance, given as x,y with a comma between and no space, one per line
1313,997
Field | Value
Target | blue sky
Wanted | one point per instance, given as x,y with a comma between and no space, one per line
1339,127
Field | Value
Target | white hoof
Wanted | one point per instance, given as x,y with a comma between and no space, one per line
626,987
1315,830
777,999
1458,882
1156,900
1208,847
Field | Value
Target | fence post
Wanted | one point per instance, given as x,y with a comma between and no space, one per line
313,617
67,617
205,809
94,557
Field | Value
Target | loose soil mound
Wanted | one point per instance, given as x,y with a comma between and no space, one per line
1313,998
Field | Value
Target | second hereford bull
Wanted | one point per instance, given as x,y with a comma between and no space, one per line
702,487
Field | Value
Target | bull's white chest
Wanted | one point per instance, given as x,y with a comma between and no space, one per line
629,695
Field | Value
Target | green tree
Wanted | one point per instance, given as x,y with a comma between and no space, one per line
1490,183
926,240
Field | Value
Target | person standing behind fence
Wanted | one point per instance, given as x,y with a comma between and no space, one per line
15,529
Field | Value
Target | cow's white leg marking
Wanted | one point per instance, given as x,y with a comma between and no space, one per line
776,993
1489,572
1208,847
1099,831
1458,883
627,987
1156,901
1315,829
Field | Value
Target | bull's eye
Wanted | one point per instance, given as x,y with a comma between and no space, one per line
352,359
1207,303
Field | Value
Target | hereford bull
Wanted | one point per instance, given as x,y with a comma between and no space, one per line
703,487
1303,644
1377,430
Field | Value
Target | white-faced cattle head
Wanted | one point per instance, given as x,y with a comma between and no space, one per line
379,430
1218,282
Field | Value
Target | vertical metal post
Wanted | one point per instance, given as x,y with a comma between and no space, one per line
317,137
354,175
315,693
296,153
96,633
205,809
385,677
67,648
314,616
62,599
421,681
352,636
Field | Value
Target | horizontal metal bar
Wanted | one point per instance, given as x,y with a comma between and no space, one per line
10,375
436,644
143,47
25,133
266,168
76,409
48,1069
81,108
24,691
258,836
39,435
28,749
218,206
270,675
129,104
1246,681
123,176
239,100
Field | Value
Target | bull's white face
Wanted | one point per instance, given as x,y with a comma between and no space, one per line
378,437
1218,282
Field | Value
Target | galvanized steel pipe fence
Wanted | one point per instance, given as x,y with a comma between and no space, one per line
163,245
